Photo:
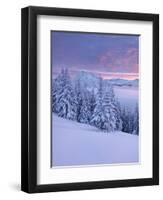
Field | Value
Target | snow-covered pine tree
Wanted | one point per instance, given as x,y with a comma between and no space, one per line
127,120
98,117
109,109
85,109
92,102
78,97
130,121
106,114
57,88
84,115
116,109
66,102
118,115
54,94
136,121
123,118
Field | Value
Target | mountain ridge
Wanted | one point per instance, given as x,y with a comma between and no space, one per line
92,78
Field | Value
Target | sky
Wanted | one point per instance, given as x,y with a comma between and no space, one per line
108,55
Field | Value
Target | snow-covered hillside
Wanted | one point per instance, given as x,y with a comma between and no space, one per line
93,100
80,144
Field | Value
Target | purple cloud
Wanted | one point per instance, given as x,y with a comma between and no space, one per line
121,60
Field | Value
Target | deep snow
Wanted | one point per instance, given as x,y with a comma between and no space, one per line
75,144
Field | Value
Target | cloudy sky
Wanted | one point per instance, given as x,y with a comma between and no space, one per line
108,55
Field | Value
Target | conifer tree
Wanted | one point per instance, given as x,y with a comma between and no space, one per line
136,121
78,96
97,118
65,98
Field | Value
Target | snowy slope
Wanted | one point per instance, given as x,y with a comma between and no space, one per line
80,144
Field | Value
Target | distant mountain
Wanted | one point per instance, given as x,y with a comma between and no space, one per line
91,81
87,80
123,82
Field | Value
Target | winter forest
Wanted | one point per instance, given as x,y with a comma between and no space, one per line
94,99
90,99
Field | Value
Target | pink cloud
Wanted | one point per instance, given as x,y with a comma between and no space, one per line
121,60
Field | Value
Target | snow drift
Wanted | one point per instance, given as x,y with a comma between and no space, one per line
77,144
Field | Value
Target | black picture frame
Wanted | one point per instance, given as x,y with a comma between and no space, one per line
29,99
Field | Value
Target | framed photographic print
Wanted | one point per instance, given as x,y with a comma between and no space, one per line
90,99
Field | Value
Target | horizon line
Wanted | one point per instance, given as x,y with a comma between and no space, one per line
104,75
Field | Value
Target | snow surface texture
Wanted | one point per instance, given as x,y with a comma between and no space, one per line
76,144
